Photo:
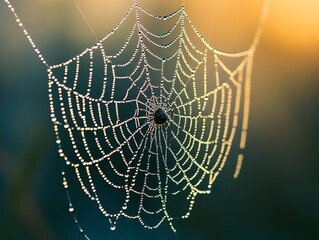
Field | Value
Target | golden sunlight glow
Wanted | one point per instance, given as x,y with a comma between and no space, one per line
295,23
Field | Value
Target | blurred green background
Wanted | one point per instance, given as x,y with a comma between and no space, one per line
277,193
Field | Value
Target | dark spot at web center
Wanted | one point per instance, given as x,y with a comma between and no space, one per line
160,116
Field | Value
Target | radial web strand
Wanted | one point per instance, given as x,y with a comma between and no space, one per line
146,118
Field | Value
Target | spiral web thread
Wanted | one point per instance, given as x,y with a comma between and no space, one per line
103,115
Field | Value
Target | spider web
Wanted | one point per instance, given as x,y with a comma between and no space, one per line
102,105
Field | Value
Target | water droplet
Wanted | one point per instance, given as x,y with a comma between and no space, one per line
112,227
71,209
